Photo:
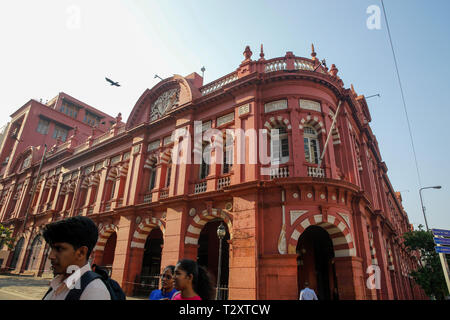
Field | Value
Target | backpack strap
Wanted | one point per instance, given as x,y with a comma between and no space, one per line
86,278
48,291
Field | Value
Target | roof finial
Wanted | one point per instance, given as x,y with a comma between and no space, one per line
313,53
262,53
247,53
334,71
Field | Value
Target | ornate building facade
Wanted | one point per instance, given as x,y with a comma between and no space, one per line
335,222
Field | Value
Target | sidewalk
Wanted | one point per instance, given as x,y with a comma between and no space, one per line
28,288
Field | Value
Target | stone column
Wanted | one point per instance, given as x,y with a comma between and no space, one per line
386,288
350,278
174,246
243,248
122,254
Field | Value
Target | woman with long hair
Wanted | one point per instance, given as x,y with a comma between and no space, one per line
167,285
193,281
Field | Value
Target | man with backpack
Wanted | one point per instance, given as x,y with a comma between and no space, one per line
72,241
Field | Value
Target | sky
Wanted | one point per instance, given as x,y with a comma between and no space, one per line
49,47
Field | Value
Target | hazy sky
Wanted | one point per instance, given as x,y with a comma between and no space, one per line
70,46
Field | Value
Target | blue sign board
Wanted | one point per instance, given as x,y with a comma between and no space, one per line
443,250
440,232
442,241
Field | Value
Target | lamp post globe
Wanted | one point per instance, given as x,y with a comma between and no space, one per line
221,232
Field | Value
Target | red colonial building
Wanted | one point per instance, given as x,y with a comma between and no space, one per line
289,216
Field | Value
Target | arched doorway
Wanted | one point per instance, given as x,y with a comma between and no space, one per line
108,252
33,255
151,264
208,254
315,263
16,254
47,262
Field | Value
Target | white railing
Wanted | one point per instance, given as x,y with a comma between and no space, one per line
316,172
121,130
200,187
164,194
65,145
303,65
275,66
223,182
148,198
282,172
218,84
102,138
80,148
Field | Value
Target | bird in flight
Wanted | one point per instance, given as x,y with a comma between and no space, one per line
112,82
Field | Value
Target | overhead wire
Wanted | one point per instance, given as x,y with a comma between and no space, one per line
402,94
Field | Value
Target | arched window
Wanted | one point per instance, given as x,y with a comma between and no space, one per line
312,148
169,173
204,167
227,154
152,180
279,145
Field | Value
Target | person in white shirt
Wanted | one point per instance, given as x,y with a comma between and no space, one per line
71,242
307,293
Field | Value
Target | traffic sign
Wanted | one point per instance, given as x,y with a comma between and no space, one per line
443,250
442,241
440,232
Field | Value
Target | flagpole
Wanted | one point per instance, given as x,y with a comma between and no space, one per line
328,136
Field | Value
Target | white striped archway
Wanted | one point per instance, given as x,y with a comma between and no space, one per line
124,169
199,221
338,230
151,161
166,156
274,122
314,122
113,174
144,229
335,135
104,235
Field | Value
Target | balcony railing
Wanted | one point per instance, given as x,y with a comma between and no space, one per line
282,172
316,172
223,182
148,198
164,194
276,65
102,138
200,187
216,85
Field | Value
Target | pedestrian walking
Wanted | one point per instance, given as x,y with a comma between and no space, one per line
72,241
193,281
167,285
307,293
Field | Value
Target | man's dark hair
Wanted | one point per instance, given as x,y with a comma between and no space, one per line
78,231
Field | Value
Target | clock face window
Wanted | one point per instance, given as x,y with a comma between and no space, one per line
164,103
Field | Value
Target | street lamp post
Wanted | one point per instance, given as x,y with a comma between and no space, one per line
221,232
421,201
